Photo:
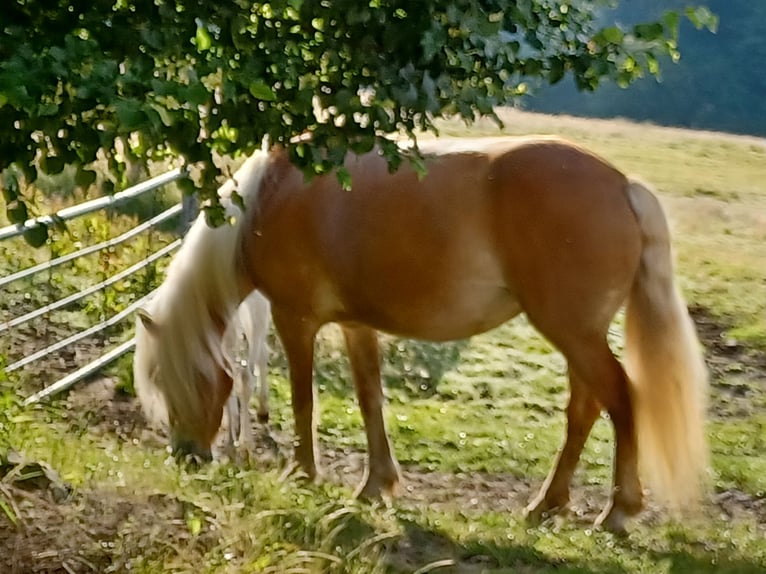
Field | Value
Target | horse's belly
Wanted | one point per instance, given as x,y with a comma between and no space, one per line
460,312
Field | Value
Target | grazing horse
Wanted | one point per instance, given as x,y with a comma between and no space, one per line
246,362
245,354
496,227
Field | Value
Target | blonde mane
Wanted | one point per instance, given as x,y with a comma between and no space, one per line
199,292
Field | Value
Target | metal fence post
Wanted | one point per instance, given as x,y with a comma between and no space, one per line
189,211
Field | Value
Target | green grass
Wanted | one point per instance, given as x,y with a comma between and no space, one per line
475,424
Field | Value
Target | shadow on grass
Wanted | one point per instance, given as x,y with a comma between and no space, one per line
420,546
417,367
412,367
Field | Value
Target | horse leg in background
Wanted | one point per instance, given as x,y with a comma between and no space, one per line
582,412
382,472
232,420
297,336
261,372
239,432
243,387
259,352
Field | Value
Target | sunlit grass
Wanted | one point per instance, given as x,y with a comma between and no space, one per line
488,407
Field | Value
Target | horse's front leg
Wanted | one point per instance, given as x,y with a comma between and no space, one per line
382,472
297,336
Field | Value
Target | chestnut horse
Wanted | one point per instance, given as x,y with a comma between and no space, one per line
496,227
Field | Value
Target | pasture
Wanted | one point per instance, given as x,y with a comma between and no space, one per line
475,425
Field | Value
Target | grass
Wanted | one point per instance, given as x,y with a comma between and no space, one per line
475,425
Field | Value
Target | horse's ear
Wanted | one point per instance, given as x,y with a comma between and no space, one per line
147,321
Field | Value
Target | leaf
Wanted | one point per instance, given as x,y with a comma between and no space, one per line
612,35
701,16
36,236
432,43
16,211
8,511
10,185
202,39
129,114
671,19
652,65
165,116
186,186
649,32
362,145
196,93
419,165
30,172
238,200
557,70
194,524
85,177
47,110
215,215
52,164
262,91
344,178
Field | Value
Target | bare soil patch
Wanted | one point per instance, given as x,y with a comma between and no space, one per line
91,530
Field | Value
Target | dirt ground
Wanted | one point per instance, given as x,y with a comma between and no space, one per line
57,530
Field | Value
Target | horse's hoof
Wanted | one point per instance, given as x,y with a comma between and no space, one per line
295,471
614,520
377,489
536,513
244,456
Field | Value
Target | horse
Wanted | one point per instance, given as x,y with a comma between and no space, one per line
496,227
246,350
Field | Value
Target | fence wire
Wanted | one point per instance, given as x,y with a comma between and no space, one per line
106,322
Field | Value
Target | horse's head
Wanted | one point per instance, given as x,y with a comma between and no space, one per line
179,364
186,392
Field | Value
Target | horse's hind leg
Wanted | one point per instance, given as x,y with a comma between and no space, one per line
382,473
582,412
594,364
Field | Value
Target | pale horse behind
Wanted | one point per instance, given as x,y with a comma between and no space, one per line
246,352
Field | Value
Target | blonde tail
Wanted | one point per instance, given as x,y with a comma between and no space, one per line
664,362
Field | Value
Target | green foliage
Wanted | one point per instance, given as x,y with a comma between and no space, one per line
195,78
716,84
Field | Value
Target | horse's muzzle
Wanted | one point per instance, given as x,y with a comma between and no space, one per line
183,448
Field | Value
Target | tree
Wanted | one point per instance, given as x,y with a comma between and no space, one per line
716,84
196,78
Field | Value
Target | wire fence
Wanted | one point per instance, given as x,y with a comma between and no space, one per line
64,307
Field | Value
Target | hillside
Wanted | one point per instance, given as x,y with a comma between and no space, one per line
719,83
